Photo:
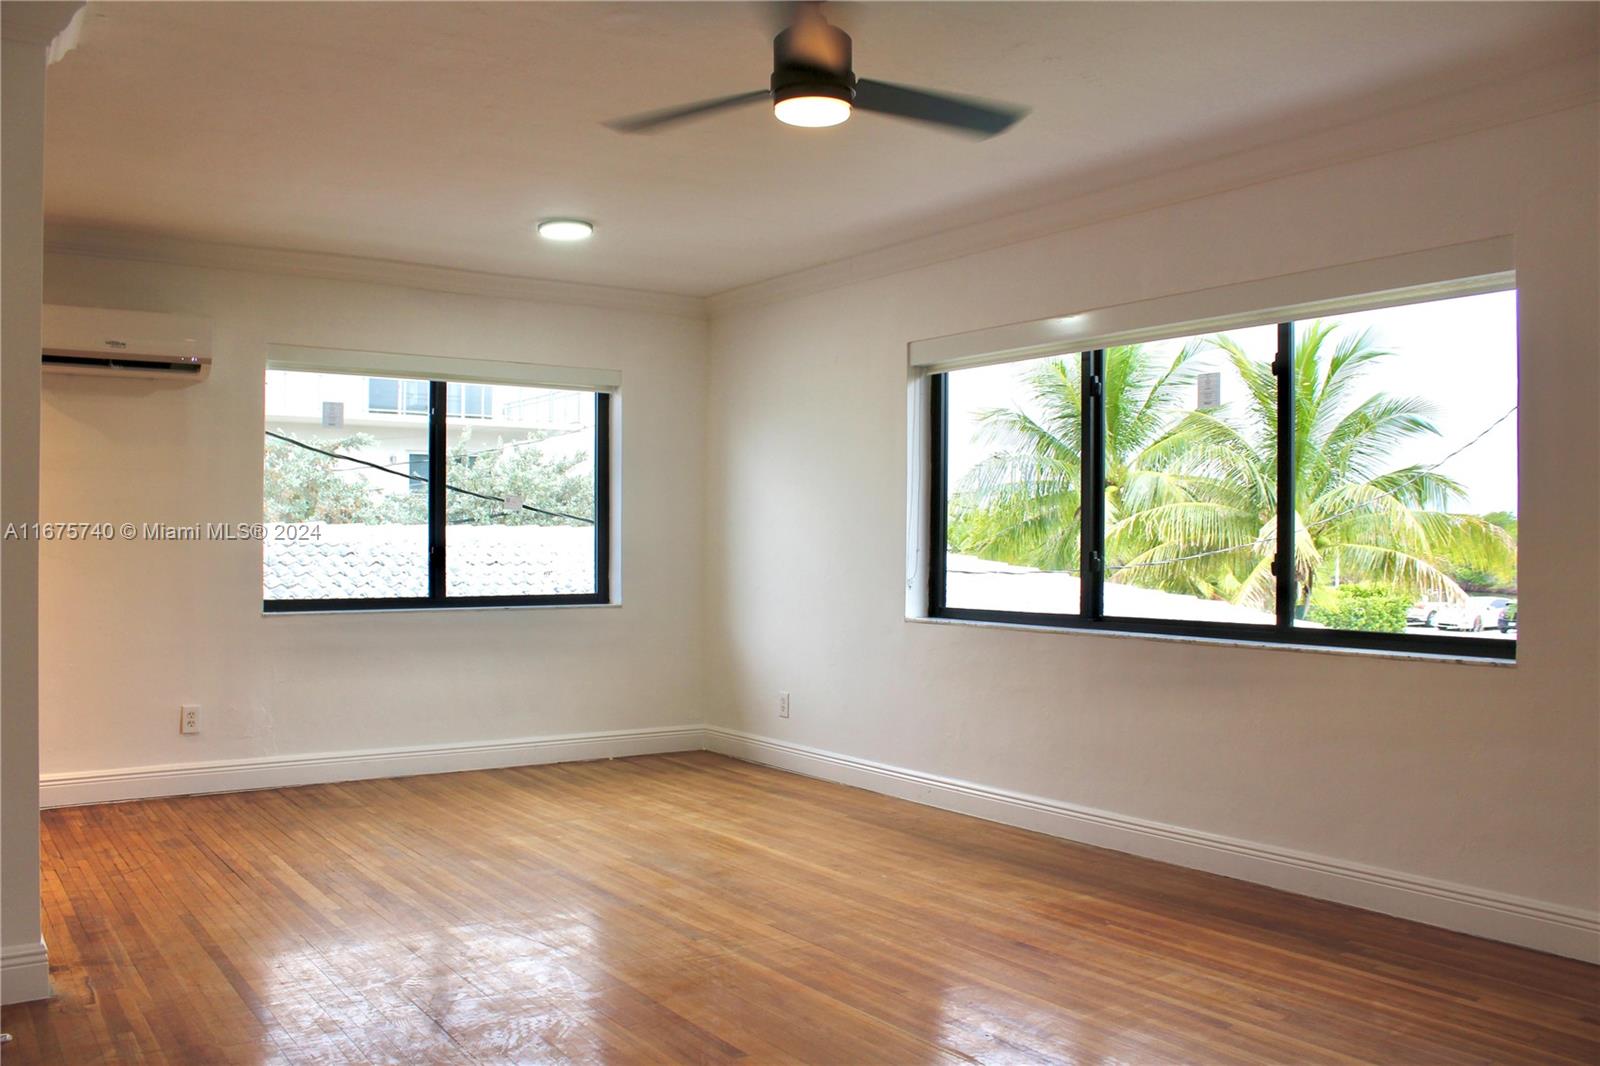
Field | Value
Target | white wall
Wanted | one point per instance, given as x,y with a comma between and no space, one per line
1474,775
131,630
23,974
32,35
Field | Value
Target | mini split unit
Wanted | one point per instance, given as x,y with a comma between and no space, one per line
125,344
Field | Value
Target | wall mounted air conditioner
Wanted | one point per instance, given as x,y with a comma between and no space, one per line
125,344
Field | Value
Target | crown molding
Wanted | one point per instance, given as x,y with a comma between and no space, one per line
38,22
64,239
1550,89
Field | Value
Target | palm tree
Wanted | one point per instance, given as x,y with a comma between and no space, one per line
1022,505
1191,499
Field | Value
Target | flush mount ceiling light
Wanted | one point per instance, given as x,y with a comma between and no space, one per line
814,84
566,229
813,111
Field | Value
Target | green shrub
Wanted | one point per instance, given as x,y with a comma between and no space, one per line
1368,607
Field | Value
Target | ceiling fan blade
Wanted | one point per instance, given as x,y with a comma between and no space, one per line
650,121
982,118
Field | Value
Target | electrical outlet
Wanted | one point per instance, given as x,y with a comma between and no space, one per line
783,705
189,718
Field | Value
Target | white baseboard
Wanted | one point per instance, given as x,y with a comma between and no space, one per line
277,771
1501,916
24,973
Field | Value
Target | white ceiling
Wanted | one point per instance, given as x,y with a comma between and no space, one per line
438,133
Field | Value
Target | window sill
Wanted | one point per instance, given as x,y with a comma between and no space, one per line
342,611
1313,649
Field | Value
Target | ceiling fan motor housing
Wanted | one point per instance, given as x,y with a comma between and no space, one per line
818,63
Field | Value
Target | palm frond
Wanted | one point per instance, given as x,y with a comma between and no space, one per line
1360,442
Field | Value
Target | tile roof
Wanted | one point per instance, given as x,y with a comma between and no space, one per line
360,562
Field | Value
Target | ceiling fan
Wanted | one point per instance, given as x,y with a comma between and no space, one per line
813,85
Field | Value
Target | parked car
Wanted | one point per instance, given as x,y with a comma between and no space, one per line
1478,613
1508,617
1425,612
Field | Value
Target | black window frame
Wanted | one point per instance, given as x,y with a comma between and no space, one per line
1092,616
437,488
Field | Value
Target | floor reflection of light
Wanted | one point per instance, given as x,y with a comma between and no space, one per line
993,1025
503,989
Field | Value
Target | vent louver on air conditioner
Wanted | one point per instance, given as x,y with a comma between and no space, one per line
128,344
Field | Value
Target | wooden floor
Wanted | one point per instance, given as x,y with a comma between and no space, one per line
691,908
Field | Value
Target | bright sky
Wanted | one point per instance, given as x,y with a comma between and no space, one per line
1460,354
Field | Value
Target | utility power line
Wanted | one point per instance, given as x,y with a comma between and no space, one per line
416,477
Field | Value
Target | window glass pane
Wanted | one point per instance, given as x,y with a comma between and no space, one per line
366,532
383,395
416,397
1406,480
521,503
480,401
1191,476
468,401
1013,468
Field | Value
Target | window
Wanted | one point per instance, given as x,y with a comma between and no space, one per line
383,396
391,396
472,401
1186,502
1014,465
460,508
1136,487
414,395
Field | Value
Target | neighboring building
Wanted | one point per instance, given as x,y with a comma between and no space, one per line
394,412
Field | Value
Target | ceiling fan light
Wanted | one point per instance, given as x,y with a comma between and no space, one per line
812,111
566,229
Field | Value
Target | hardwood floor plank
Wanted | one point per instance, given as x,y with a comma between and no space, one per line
691,908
